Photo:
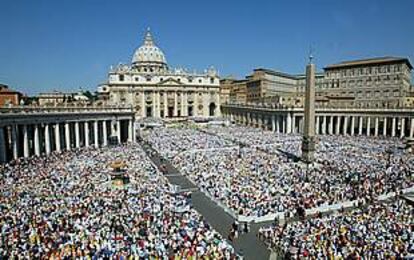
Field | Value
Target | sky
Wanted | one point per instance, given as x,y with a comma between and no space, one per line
65,45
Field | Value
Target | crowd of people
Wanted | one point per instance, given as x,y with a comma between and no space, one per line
65,206
378,231
171,141
259,177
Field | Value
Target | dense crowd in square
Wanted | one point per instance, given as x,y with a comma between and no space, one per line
64,207
378,231
257,179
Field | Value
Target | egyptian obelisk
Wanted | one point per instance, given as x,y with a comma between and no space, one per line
308,142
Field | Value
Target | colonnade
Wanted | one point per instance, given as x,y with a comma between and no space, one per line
32,138
394,125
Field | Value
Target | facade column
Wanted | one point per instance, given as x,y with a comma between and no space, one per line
360,125
36,140
273,123
368,126
176,104
331,123
393,126
130,131
317,130
26,152
184,111
47,139
412,128
3,155
324,122
57,137
15,144
352,125
165,96
104,133
86,125
384,130
67,136
288,123
77,137
338,125
118,130
143,107
158,104
402,132
95,134
376,126
154,103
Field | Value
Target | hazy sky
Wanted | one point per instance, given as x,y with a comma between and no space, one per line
64,45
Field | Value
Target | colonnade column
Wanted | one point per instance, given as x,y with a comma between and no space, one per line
331,122
36,140
368,126
376,126
47,139
288,124
277,124
77,137
345,126
14,141
402,130
412,128
324,125
317,130
104,133
384,130
67,136
95,134
118,130
86,125
57,137
338,125
273,123
293,129
3,155
360,125
25,142
352,125
393,126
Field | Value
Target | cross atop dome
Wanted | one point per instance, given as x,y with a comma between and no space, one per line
148,41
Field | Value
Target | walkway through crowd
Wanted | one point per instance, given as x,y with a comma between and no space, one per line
248,245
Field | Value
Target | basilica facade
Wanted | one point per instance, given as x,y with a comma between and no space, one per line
158,91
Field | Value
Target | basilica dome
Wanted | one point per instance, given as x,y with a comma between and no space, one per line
148,57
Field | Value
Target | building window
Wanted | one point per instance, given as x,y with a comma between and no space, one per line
211,80
121,77
199,81
136,79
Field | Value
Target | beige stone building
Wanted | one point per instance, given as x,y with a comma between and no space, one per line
155,90
369,83
379,83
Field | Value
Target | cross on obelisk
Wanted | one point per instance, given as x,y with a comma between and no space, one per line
308,142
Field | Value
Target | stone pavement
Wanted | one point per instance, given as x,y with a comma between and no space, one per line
247,245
